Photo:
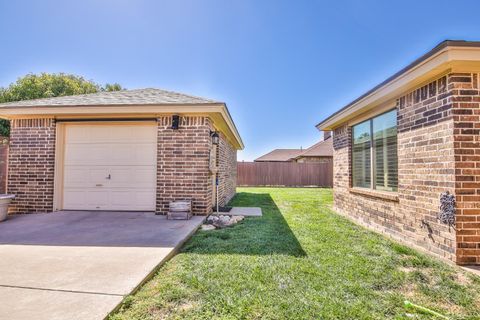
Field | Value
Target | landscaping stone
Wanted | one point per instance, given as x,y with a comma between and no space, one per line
208,227
223,221
237,219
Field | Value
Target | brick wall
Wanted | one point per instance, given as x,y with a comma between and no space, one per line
377,213
426,168
227,171
183,163
464,88
31,165
183,170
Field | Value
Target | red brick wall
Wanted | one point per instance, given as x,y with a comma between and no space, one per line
227,171
183,170
183,163
31,165
382,215
426,168
464,88
426,165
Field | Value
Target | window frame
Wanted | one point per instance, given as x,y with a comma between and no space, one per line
372,153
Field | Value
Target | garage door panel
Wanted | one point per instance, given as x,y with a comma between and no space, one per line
132,154
75,176
98,198
126,153
98,176
87,154
84,176
123,176
86,199
77,134
133,177
122,133
123,199
73,198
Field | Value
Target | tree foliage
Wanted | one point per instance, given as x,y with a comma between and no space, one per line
112,87
48,85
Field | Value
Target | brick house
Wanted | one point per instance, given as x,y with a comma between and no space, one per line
321,151
130,150
399,146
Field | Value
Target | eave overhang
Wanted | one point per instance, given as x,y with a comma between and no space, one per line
218,112
449,56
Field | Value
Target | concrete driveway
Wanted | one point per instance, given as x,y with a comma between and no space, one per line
80,265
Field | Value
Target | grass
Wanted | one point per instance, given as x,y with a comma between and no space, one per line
300,261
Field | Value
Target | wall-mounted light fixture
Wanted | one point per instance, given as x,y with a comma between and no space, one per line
175,121
215,137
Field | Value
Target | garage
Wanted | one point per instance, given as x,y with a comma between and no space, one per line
109,166
128,150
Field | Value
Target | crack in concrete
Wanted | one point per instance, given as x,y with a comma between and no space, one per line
61,290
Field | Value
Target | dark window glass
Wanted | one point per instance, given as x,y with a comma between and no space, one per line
385,145
375,141
361,155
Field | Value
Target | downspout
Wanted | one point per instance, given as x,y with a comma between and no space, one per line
216,189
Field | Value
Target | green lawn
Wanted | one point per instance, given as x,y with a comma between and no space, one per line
300,261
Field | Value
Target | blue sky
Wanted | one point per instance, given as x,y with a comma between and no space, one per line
281,66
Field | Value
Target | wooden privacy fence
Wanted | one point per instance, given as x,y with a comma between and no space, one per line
290,174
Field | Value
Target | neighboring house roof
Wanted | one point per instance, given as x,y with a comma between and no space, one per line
280,155
320,149
126,103
148,96
448,55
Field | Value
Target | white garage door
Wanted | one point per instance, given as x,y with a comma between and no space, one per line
110,167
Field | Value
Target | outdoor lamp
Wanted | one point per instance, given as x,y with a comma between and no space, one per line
215,137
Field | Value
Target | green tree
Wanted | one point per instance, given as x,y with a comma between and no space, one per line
112,87
47,85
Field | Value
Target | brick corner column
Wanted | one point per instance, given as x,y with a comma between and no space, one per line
31,165
183,163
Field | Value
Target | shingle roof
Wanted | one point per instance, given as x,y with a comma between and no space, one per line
280,155
323,148
149,96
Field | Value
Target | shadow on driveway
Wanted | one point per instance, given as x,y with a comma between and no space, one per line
80,265
90,228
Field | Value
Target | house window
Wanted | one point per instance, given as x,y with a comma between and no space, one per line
374,153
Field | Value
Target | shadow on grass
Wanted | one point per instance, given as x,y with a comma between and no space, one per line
269,234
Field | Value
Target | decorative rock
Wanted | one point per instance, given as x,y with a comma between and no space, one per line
223,221
238,218
211,219
208,227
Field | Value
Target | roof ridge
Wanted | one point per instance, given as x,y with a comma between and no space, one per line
312,147
183,94
138,96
